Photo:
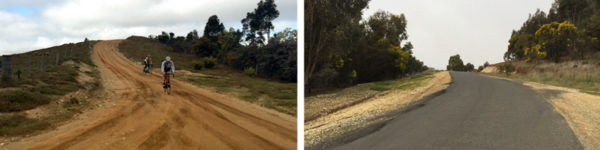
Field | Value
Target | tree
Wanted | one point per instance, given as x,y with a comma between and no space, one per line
469,67
286,35
228,41
163,37
480,68
571,10
408,47
205,48
507,68
555,40
455,63
401,58
388,26
517,45
259,22
322,18
213,28
192,36
486,64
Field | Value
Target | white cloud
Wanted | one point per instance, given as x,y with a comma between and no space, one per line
65,21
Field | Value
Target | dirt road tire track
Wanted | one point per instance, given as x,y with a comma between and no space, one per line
143,117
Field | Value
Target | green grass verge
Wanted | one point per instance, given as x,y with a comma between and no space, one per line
401,84
270,94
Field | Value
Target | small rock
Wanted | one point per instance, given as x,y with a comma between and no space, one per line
2,144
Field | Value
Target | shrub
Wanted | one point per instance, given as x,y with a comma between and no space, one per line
197,65
13,101
508,68
250,72
209,62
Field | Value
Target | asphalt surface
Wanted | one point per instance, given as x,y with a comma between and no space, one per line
476,112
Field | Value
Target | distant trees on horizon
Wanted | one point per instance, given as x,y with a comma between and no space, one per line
268,56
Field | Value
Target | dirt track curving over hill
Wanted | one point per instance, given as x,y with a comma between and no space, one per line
138,115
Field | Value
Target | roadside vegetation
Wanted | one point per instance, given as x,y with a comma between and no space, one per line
46,78
577,74
337,100
243,63
352,112
254,47
559,48
570,31
346,50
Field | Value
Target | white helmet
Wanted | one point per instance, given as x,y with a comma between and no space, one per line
168,58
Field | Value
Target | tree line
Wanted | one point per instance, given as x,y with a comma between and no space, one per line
455,63
342,49
569,31
246,49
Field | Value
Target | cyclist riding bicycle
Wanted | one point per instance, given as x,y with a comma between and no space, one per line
147,63
167,68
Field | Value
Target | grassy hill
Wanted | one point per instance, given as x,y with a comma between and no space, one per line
50,86
266,92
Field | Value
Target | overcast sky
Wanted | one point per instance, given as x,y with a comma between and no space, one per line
34,24
478,30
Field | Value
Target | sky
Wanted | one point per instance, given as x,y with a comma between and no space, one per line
477,30
35,24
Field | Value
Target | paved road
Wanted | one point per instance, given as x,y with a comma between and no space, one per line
476,112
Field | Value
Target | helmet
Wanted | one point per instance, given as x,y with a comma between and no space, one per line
168,58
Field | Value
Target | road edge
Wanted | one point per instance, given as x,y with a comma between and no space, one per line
374,124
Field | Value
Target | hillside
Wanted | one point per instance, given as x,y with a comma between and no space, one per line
40,97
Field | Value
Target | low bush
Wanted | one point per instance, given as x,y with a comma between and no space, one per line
209,62
14,101
250,72
18,125
197,65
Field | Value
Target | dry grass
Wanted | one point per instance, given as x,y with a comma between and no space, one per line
323,104
581,74
354,108
42,92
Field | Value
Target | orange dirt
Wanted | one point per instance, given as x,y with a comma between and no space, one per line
138,115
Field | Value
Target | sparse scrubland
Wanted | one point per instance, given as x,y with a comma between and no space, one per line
41,96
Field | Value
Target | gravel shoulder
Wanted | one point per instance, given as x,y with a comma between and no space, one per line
580,110
337,117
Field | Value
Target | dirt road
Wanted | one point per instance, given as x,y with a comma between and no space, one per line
138,115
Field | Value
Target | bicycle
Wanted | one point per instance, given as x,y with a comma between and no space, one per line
167,83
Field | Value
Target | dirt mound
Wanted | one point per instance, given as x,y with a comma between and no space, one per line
138,115
490,69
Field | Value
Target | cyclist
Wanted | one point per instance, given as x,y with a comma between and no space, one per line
167,68
147,63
